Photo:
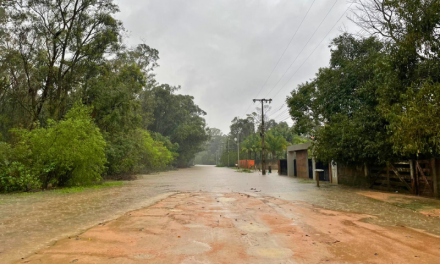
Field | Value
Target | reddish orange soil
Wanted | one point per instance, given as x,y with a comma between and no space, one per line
239,228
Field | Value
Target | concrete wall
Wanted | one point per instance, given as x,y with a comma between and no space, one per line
290,158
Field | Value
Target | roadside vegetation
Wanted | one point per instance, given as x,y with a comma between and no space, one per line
221,149
77,106
378,100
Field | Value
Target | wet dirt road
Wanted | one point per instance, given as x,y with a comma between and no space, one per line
240,228
332,223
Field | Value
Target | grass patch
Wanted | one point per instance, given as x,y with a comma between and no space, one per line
418,205
77,189
244,170
306,181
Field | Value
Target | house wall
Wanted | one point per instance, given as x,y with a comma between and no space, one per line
290,158
302,164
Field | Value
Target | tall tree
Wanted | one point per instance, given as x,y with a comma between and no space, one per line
410,75
339,106
177,117
49,46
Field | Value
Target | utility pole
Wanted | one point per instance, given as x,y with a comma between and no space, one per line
227,139
263,148
238,148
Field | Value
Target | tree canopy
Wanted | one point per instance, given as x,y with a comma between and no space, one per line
378,99
66,73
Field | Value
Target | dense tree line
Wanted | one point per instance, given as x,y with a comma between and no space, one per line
245,137
76,104
213,148
379,99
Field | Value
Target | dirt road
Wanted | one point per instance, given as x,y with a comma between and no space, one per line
239,228
292,222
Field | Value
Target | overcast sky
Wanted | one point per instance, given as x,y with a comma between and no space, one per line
222,51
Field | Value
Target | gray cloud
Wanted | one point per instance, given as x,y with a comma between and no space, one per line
221,52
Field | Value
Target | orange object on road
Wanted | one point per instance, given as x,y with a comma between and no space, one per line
247,163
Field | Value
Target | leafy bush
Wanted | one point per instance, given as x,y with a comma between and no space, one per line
154,155
69,152
14,175
136,152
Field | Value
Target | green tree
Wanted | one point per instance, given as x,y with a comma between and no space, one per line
177,117
275,144
409,94
48,47
340,107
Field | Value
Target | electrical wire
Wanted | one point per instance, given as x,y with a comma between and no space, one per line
272,113
282,55
313,50
309,57
320,24
316,48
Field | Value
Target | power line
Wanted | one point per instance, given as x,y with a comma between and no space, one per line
311,55
322,21
270,75
284,52
314,50
282,113
283,117
269,113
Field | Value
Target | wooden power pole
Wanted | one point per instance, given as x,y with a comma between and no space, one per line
263,149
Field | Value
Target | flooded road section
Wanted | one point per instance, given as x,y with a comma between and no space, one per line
240,228
29,223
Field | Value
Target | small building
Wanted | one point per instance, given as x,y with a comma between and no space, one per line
282,167
302,165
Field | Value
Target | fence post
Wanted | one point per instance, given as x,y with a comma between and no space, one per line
435,179
388,177
413,175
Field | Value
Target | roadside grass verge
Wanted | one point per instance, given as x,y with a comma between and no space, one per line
73,189
306,181
415,204
87,187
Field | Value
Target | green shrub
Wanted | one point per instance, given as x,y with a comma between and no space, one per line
137,152
154,155
68,152
14,175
